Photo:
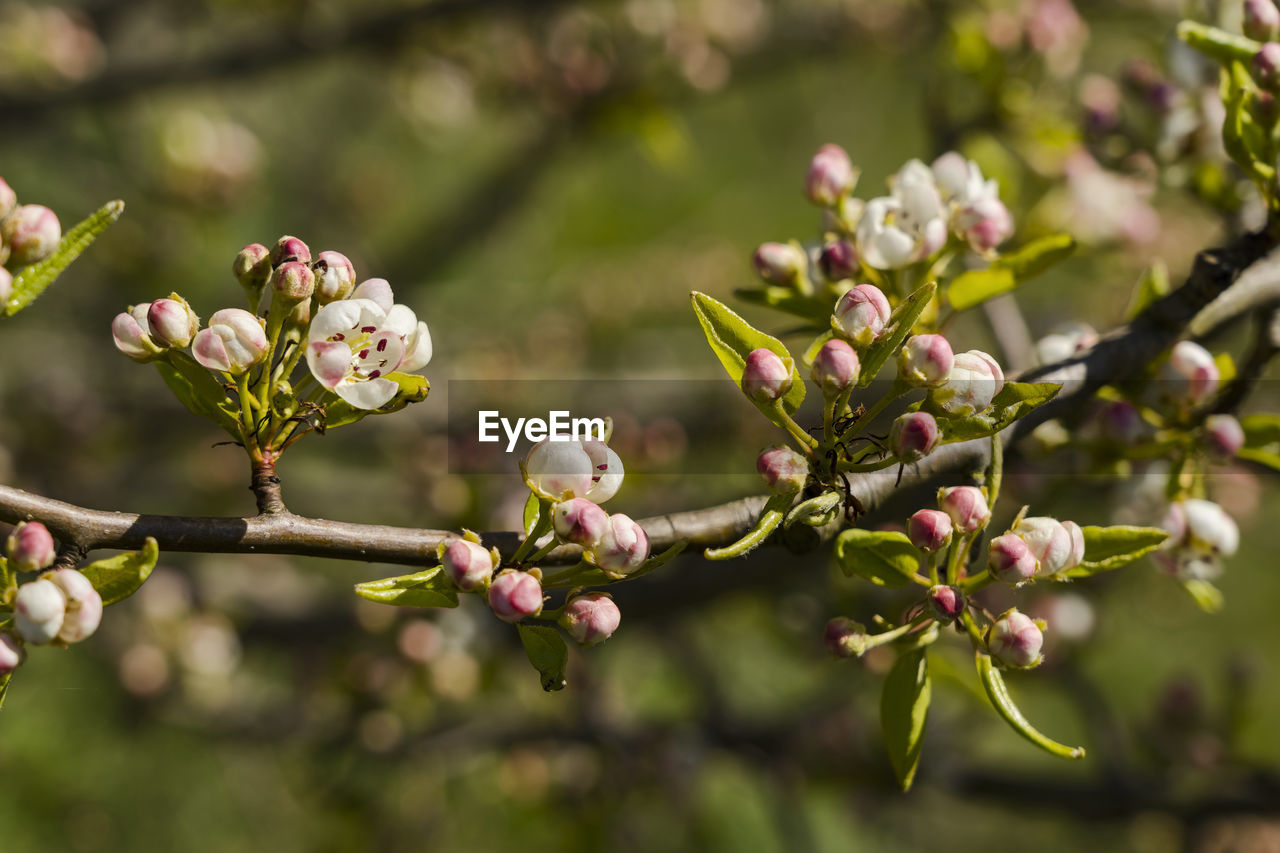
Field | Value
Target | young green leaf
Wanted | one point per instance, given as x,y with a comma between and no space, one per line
116,578
1153,285
1009,270
1206,596
198,389
532,509
898,329
547,652
1111,547
733,339
1014,402
31,281
1218,44
788,299
770,517
4,686
429,588
904,706
884,557
993,683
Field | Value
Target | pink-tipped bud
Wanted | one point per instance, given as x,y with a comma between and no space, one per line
831,176
929,530
835,367
1223,435
624,546
293,281
779,263
8,199
580,521
765,377
1015,640
845,638
784,470
252,267
289,249
838,261
234,342
514,594
6,286
946,603
12,654
913,436
1010,560
1261,20
1123,423
1050,543
966,506
1077,544
172,322
590,618
30,547
31,233
925,360
861,315
468,564
38,611
84,605
335,277
131,334
1191,373
985,224
1266,66
973,382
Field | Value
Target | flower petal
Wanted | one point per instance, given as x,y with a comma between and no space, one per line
335,318
210,351
417,349
401,320
329,362
378,290
368,394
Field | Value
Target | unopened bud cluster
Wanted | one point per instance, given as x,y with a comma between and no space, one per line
29,233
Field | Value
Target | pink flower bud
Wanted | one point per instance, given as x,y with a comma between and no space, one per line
1015,640
929,529
131,333
946,603
861,315
1223,435
252,267
844,638
831,176
1261,20
1191,372
30,547
623,548
514,594
293,281
6,286
172,322
590,618
973,382
1077,544
1051,543
1201,525
1010,560
234,342
835,367
967,507
985,224
838,261
783,469
11,654
289,249
765,377
913,436
580,521
779,263
38,609
1266,66
925,360
335,277
84,605
31,233
8,199
468,564
1122,423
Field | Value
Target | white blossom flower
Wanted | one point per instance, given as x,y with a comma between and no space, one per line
561,467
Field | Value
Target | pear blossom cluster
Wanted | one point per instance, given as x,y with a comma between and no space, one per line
59,607
29,233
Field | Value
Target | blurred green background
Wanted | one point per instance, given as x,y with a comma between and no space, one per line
544,183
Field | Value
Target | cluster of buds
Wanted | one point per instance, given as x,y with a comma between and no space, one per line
352,336
29,233
59,607
1035,547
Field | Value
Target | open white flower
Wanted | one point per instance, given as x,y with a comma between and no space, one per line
354,343
899,229
562,467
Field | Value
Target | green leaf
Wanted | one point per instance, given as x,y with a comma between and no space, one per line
1009,270
1154,285
1015,401
1261,440
532,509
429,588
815,346
1206,596
884,557
904,706
816,511
770,517
547,652
733,338
901,322
1218,44
4,686
32,280
413,389
993,683
116,578
790,300
198,389
598,577
1111,547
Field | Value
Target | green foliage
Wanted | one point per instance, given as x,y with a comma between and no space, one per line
1107,548
998,693
1261,440
198,389
770,517
116,578
1015,401
898,329
32,280
904,707
974,287
547,652
429,588
884,557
